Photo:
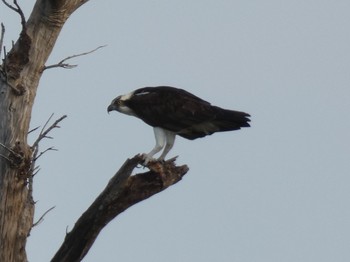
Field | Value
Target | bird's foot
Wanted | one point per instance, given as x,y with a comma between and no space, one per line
147,159
170,159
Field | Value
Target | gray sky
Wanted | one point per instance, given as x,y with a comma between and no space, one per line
278,191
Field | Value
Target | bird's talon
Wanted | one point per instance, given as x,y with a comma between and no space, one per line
146,160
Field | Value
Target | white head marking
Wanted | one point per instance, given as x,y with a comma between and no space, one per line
126,96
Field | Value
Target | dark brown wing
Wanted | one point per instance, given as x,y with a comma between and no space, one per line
183,113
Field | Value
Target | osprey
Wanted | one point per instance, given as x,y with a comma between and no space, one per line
172,111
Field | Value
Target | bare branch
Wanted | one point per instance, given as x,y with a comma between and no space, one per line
123,191
43,152
18,10
41,219
64,65
35,147
34,129
36,170
46,123
43,133
9,6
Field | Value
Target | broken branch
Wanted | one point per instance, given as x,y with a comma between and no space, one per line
123,191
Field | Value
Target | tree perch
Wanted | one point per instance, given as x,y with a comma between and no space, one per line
122,191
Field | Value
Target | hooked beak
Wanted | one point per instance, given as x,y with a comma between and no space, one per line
110,108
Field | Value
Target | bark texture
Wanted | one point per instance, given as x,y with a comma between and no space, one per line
19,78
20,73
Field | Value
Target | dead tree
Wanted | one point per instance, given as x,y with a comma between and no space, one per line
21,69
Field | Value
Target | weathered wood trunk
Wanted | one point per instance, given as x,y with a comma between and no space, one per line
19,79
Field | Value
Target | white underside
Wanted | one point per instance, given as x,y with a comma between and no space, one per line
164,140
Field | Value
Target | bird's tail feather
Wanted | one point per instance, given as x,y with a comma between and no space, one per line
225,120
229,120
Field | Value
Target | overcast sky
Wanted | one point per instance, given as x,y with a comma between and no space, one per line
278,191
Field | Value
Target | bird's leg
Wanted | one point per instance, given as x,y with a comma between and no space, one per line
160,136
170,140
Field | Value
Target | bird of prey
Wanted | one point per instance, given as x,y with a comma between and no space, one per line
172,111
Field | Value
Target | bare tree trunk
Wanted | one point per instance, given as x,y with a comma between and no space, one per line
19,77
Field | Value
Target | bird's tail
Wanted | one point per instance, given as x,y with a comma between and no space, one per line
220,120
228,120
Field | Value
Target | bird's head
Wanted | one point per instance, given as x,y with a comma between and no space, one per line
120,104
115,104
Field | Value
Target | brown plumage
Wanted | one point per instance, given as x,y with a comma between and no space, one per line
178,112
